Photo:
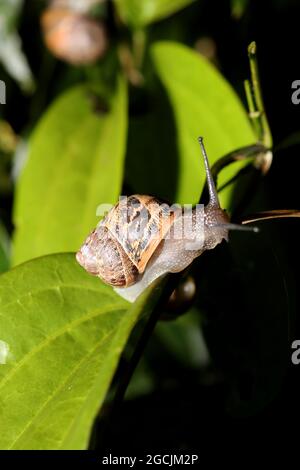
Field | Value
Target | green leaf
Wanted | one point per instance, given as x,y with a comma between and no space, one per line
11,55
60,326
75,163
204,104
139,13
64,332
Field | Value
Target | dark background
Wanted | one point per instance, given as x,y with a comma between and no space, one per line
249,394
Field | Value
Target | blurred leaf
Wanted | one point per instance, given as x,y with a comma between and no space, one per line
75,163
11,54
204,104
290,141
139,13
4,249
238,8
9,12
64,332
183,339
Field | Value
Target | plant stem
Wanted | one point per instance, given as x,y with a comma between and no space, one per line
138,46
132,56
243,153
253,113
127,62
258,104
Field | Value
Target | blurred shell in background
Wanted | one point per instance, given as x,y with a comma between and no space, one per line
82,6
73,37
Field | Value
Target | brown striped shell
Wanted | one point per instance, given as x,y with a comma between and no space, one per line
119,249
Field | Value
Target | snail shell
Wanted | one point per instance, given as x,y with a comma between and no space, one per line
73,36
83,6
119,249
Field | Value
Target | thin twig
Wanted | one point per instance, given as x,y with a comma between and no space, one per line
265,133
274,214
138,47
243,153
253,113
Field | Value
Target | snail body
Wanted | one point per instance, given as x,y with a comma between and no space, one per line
142,238
73,36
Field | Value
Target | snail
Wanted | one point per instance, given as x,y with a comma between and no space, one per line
143,238
73,36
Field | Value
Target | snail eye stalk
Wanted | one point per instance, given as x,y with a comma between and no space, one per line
213,195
